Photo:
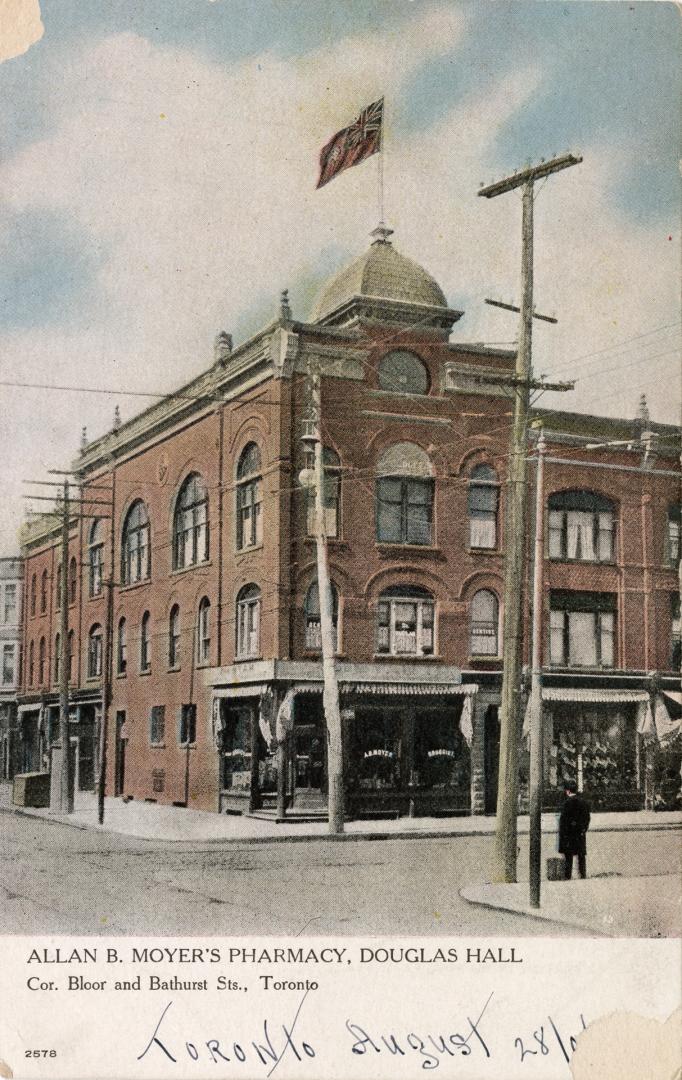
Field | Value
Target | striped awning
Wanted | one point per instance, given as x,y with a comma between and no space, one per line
407,689
243,690
594,695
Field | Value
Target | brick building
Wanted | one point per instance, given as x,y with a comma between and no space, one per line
10,624
215,609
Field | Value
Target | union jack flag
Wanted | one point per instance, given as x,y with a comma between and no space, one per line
352,144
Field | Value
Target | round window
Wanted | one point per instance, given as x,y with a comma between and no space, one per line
403,373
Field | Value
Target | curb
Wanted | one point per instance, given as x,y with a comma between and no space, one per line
531,913
406,834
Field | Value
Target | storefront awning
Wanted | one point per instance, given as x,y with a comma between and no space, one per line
407,689
244,690
595,695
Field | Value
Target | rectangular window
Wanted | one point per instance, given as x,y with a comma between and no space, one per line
10,603
187,726
404,511
582,535
405,627
582,631
8,664
248,628
157,724
249,517
482,505
96,566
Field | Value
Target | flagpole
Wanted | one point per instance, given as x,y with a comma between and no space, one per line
380,164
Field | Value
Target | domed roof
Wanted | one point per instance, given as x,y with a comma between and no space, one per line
381,273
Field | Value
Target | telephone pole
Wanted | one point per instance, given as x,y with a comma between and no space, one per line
536,732
332,712
107,664
504,867
65,790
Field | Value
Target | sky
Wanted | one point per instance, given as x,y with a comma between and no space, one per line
158,164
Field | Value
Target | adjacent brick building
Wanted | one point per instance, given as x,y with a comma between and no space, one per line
10,646
215,613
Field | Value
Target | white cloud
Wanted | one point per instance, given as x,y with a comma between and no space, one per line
195,181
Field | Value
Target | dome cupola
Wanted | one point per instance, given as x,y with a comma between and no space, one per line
385,286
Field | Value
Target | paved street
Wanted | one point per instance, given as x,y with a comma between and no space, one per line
57,879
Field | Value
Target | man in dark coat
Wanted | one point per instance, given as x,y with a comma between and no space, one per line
573,825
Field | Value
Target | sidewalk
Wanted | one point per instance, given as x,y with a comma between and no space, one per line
610,905
152,821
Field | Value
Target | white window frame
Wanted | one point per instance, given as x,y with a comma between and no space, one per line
248,627
397,638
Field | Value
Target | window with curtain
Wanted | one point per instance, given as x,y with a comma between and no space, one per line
483,497
331,499
313,632
146,642
95,652
406,622
404,496
174,637
484,624
122,647
204,632
190,524
95,558
249,498
248,622
581,526
42,653
10,604
673,535
582,630
135,546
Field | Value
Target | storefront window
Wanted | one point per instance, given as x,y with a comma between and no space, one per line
377,750
441,756
595,747
236,750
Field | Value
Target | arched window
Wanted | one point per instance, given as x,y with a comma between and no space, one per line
673,535
331,499
404,496
95,652
33,594
57,663
402,372
146,642
406,622
190,525
135,548
248,622
313,634
204,632
482,507
42,650
31,659
122,647
249,498
174,637
43,592
95,558
69,653
581,527
484,624
73,580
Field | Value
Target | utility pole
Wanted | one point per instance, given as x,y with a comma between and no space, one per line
106,696
504,868
332,712
65,805
535,705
